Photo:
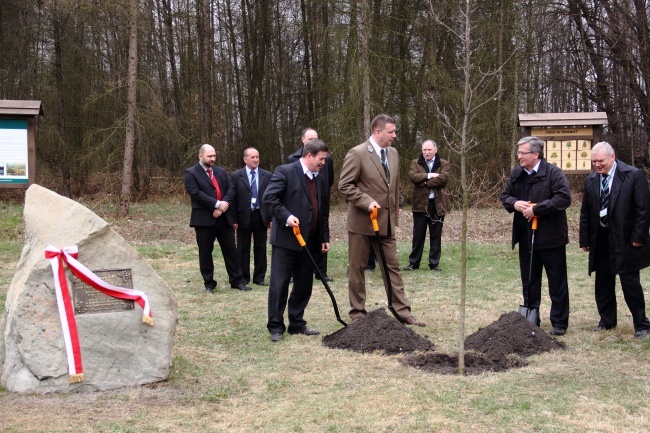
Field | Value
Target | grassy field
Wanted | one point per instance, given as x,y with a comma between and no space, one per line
228,377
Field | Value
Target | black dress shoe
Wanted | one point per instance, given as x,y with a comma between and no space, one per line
325,278
409,268
435,268
304,331
261,283
557,331
209,290
276,337
243,287
370,268
602,328
641,333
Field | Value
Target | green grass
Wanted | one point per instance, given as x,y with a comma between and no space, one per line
227,376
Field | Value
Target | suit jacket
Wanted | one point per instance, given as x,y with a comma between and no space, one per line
239,197
203,194
287,194
363,181
628,219
418,173
327,171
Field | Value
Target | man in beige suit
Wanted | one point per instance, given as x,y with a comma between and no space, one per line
370,180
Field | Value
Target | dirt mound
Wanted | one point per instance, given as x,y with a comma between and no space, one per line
377,332
511,334
475,363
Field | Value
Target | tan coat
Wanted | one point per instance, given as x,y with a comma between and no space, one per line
418,174
363,181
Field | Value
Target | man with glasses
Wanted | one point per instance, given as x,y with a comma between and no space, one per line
539,189
614,221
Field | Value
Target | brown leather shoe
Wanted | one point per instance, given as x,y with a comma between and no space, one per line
413,322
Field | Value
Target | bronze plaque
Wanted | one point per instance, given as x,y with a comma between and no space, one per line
90,300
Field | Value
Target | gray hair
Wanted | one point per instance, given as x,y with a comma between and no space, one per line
536,145
313,147
430,141
603,146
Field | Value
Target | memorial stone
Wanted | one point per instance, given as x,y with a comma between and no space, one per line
117,348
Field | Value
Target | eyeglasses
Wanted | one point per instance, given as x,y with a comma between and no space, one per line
524,153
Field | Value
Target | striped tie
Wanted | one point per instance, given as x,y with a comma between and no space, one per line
604,198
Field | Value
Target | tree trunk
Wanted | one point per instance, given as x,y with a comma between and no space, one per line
131,111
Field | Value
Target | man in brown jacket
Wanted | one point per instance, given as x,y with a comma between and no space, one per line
429,175
370,180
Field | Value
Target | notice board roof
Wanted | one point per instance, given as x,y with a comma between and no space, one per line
563,119
10,107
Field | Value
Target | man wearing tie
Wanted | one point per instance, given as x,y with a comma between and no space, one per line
370,180
614,222
252,215
429,175
298,197
207,186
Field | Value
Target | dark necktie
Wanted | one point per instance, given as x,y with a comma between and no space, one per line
214,183
254,191
604,198
385,164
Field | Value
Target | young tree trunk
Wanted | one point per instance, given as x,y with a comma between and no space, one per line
131,99
365,58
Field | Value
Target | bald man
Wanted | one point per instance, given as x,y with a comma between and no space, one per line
207,185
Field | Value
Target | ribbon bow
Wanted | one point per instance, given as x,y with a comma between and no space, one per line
68,255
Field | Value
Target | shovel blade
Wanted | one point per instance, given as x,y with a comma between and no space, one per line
530,313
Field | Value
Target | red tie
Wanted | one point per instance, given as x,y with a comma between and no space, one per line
214,183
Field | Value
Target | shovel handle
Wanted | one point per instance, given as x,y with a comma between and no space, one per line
373,219
534,222
296,232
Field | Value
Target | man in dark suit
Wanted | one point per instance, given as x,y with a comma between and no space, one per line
252,216
614,222
537,188
370,180
298,197
327,172
207,186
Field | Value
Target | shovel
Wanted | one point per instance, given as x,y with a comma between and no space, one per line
530,313
389,285
301,241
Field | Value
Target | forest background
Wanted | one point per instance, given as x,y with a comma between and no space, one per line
238,73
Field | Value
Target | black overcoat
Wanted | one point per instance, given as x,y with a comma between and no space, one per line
628,211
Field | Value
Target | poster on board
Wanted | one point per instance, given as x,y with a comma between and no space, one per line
13,151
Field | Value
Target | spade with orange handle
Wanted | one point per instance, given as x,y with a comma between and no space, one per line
528,311
301,241
389,285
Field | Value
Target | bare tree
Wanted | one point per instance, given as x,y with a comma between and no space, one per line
131,111
458,131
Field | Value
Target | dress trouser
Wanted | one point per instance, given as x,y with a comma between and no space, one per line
553,260
605,288
225,234
422,220
284,264
257,230
358,250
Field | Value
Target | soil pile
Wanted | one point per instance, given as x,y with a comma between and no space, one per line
475,363
497,347
511,334
377,332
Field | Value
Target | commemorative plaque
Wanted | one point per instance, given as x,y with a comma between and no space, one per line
90,300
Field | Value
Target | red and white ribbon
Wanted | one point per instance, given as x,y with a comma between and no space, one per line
66,313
